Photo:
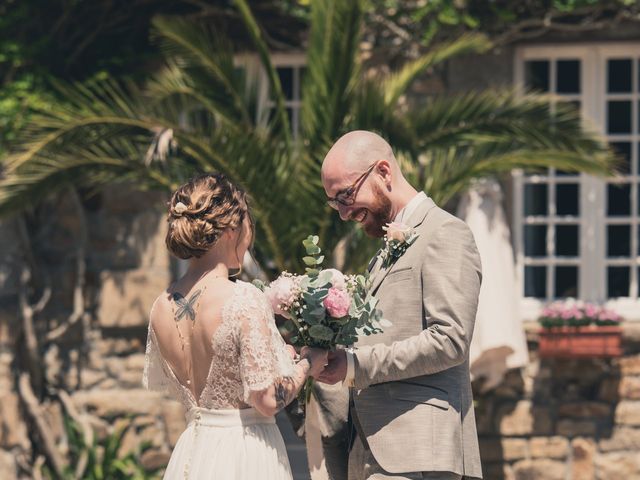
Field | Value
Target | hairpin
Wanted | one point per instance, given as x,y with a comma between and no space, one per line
180,208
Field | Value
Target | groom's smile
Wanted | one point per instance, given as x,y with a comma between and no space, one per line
360,216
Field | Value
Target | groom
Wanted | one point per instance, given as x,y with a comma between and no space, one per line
410,393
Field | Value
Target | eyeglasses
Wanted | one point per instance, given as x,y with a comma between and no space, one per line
347,196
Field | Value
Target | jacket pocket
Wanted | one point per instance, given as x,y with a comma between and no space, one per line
417,393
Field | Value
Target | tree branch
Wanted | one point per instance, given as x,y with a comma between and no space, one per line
34,411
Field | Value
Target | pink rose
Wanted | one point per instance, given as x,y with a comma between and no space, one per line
398,231
337,279
282,293
337,302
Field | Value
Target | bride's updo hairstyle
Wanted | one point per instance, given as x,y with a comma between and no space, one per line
200,211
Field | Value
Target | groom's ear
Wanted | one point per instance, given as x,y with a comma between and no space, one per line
384,170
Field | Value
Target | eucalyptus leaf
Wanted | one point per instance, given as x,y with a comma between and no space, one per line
309,261
321,332
319,312
313,249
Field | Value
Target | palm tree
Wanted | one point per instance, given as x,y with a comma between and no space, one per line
202,111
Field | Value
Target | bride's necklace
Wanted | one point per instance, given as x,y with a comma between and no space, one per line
187,308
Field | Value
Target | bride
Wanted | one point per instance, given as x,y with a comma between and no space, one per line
214,345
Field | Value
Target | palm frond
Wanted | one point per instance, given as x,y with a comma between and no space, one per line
490,116
450,171
274,81
206,57
333,70
396,84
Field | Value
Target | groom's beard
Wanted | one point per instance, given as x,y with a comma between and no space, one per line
379,214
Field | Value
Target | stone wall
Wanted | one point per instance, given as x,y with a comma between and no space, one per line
127,267
565,419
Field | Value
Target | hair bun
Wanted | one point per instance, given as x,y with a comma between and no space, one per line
200,211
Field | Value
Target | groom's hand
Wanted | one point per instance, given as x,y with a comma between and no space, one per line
336,370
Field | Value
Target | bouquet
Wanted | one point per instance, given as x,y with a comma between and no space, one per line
577,314
323,308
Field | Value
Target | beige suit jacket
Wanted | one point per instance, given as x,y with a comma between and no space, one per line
412,392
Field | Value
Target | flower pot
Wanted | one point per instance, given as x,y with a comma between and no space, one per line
580,342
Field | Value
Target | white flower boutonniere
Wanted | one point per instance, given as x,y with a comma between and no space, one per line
399,237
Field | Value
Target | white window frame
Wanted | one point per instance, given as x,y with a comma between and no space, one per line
593,191
253,66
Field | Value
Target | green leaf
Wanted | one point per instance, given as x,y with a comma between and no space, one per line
313,250
309,261
321,332
312,272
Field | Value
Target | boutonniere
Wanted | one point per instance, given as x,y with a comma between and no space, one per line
398,238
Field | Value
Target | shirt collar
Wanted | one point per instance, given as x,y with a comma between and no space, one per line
407,211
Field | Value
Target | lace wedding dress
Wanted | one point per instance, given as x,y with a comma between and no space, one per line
225,437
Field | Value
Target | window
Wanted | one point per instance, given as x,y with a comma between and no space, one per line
290,69
576,235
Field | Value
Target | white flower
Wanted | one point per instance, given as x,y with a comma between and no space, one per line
180,208
282,293
337,279
398,231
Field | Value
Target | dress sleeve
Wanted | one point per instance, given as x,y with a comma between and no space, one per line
154,375
263,358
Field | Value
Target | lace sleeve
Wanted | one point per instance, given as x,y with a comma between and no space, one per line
154,376
263,354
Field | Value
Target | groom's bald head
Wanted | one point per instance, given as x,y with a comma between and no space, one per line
354,152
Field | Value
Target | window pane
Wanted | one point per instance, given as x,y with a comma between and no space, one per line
286,80
568,76
619,75
618,200
619,116
566,280
535,240
623,151
567,240
618,282
535,199
619,240
568,199
537,75
535,282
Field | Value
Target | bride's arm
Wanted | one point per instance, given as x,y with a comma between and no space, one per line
270,401
270,379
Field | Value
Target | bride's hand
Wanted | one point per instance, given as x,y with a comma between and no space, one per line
317,358
292,351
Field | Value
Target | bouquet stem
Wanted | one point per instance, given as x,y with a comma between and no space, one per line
307,390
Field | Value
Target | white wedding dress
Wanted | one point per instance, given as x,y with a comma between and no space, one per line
225,437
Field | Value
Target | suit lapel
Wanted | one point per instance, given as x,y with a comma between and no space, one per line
378,274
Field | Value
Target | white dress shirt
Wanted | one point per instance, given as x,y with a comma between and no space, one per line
402,216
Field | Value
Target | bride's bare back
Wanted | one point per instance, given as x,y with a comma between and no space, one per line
230,349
